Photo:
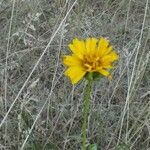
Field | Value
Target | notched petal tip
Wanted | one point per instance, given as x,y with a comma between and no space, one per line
115,55
75,40
104,39
71,47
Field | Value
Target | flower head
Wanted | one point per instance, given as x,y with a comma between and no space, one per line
89,56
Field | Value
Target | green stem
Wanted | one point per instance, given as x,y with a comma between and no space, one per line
86,106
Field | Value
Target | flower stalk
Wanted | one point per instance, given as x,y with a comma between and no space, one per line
86,108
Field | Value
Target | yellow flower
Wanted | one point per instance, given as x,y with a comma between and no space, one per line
90,55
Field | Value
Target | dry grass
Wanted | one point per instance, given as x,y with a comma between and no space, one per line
39,108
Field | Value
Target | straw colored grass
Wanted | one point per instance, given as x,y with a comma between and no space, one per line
39,108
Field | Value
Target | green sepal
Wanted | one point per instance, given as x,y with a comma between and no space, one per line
96,75
89,76
92,76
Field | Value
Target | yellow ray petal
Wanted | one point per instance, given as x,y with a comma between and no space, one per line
109,66
77,47
104,72
113,56
72,61
91,45
108,50
106,64
103,46
75,73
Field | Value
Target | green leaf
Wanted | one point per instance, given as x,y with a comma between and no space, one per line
92,147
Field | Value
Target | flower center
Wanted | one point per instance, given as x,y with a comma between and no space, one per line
91,62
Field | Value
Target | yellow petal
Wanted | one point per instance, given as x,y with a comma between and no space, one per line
72,61
113,56
91,45
104,72
106,64
108,50
75,73
109,66
103,46
77,47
